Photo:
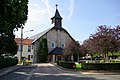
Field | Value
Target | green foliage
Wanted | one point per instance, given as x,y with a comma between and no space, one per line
8,46
114,54
64,64
96,55
100,66
6,62
115,61
43,50
13,15
89,66
105,40
78,66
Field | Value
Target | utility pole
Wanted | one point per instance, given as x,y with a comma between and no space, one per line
21,43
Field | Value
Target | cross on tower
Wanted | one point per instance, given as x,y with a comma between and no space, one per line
56,6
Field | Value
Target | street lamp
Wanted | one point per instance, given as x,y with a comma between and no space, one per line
22,41
28,31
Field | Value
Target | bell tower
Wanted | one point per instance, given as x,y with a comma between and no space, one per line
57,19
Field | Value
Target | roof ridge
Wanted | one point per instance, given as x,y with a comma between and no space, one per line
37,36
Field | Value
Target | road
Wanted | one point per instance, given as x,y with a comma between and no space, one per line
51,72
47,71
20,74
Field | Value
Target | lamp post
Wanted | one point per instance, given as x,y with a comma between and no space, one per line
22,41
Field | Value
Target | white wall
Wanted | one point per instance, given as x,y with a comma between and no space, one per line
25,52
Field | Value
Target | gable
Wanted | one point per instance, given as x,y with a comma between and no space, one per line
39,35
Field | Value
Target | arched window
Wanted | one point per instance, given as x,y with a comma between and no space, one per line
53,45
63,45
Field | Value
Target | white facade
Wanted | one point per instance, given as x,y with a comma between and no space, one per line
27,51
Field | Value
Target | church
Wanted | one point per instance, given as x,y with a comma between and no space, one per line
57,38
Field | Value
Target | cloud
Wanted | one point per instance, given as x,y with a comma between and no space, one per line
71,9
38,14
49,8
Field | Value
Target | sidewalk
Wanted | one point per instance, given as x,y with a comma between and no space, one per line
7,70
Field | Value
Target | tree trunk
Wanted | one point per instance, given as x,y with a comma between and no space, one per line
106,59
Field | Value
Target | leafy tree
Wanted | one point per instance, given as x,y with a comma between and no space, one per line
13,15
72,48
106,40
83,50
8,46
43,50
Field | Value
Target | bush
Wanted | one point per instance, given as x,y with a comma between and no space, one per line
64,64
89,66
6,62
100,66
115,61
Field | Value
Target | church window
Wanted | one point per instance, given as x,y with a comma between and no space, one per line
53,44
62,45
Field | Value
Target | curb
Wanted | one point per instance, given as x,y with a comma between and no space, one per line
117,72
64,69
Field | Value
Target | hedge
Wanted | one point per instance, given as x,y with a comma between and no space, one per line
115,61
90,66
64,64
6,62
100,66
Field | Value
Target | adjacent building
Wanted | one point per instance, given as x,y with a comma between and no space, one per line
27,51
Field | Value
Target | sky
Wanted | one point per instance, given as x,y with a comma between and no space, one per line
80,17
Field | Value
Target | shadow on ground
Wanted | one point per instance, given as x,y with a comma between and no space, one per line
61,77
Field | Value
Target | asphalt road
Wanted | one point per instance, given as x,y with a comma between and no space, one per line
20,74
51,72
47,71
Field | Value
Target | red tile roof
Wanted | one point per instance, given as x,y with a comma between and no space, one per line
24,41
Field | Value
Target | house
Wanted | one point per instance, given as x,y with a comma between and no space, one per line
27,51
56,36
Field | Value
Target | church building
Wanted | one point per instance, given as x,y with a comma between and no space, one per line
57,38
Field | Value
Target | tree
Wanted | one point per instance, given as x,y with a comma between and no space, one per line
43,50
13,15
106,40
8,46
72,48
83,50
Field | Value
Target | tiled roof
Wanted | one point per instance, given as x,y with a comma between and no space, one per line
24,41
57,51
